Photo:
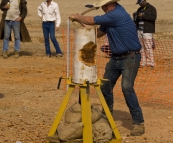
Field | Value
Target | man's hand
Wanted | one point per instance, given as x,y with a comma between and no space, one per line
41,17
7,6
140,15
73,16
18,19
56,28
85,20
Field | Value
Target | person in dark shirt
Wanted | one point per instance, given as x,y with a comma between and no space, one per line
125,58
145,18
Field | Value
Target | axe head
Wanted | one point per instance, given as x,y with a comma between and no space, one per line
89,5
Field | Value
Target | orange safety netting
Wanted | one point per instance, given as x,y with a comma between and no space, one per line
151,85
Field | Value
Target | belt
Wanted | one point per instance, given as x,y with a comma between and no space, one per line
126,54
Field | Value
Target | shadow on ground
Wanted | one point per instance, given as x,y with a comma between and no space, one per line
25,53
21,53
124,117
1,95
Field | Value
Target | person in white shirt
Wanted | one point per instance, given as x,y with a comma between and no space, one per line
48,11
14,13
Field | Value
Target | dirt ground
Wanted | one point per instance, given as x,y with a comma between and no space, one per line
29,98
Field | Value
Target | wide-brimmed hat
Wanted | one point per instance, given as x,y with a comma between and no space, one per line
103,2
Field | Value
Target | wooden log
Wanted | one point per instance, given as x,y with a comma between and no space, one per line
84,66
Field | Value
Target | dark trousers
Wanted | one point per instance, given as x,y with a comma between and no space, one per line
49,29
127,66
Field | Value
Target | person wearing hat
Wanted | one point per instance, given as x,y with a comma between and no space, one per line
144,19
125,58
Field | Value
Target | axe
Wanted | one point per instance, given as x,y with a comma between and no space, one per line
91,7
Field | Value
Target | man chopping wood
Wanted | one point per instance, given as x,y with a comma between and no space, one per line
125,58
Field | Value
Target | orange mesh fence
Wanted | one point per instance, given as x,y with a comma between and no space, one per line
152,85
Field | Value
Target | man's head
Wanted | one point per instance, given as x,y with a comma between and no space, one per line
106,5
48,0
142,3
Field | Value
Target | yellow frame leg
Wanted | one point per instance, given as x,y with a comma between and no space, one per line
86,115
86,112
109,116
61,111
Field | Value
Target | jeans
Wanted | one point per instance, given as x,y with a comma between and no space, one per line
8,26
126,66
49,28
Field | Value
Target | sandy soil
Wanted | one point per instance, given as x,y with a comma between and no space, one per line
29,98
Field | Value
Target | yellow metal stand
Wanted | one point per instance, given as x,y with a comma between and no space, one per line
86,111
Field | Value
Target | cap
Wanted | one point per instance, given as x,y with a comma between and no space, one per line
139,1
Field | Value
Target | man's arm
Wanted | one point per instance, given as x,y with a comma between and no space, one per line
150,14
4,5
58,17
88,20
23,9
39,11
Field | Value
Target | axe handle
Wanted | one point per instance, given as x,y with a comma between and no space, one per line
88,10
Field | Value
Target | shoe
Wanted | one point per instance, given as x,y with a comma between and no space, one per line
4,54
16,55
142,65
59,55
53,139
138,129
152,66
48,55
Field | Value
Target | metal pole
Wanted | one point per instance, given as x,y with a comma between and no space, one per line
68,50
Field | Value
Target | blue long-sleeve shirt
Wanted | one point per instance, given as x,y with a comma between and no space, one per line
120,29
